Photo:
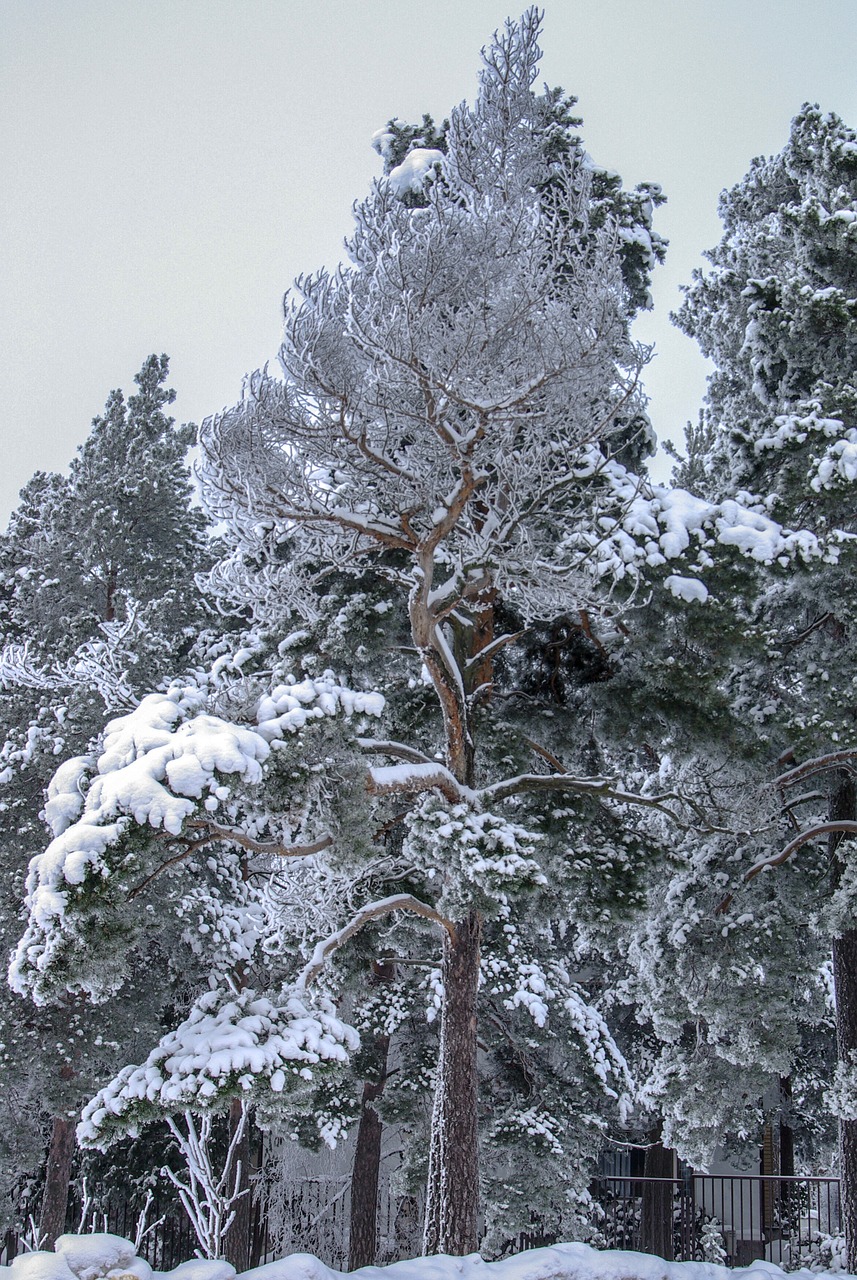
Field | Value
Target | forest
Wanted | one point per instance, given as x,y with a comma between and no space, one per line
417,770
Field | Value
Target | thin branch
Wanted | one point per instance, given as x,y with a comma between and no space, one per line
551,759
820,764
271,848
383,907
840,826
400,750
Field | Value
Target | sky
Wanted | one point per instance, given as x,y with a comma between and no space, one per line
169,167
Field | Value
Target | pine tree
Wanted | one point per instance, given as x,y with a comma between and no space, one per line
97,571
777,312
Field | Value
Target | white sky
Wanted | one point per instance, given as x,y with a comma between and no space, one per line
169,166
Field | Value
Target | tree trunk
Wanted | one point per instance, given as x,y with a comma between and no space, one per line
363,1232
452,1196
57,1179
656,1211
845,986
787,1136
843,805
236,1242
363,1226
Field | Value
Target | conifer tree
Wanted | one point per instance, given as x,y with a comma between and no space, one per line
97,571
777,312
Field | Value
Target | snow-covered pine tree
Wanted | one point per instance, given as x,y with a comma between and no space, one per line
777,312
446,417
98,590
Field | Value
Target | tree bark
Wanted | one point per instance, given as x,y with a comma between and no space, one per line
845,986
236,1242
844,805
363,1232
57,1179
656,1212
363,1226
452,1197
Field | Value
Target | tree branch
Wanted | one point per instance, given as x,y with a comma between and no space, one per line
383,907
841,826
271,848
820,764
400,750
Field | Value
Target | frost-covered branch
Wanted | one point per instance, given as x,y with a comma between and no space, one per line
209,1198
383,907
411,779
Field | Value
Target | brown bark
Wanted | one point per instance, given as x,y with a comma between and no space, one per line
844,806
236,1242
452,1199
363,1231
57,1179
363,1225
787,1136
656,1211
845,985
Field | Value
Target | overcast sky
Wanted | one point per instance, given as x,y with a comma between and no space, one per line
170,166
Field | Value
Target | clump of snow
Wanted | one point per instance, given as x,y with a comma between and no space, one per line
414,171
687,589
223,1048
101,1254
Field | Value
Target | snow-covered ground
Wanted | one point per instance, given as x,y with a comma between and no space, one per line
107,1257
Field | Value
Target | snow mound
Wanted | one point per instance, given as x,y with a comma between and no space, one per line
102,1255
201,1269
557,1262
38,1265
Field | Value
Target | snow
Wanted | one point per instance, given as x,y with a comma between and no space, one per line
156,765
411,175
99,1254
557,1262
222,1048
686,588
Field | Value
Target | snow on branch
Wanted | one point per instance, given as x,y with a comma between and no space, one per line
161,768
372,911
819,764
243,1046
838,826
411,779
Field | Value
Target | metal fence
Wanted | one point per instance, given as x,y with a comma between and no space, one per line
700,1217
721,1218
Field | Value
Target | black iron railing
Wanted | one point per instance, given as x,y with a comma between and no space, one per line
731,1219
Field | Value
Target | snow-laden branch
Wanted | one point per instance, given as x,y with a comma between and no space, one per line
411,779
372,910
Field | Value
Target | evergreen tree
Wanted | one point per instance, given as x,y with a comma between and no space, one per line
97,590
777,312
